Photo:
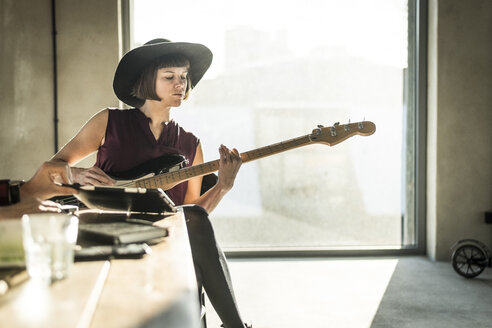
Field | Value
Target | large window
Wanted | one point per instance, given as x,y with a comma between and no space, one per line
280,69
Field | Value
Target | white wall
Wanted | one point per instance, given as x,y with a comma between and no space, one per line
459,179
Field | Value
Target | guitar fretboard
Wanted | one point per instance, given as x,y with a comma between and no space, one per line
275,148
190,172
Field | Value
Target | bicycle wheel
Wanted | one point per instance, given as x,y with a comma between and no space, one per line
469,261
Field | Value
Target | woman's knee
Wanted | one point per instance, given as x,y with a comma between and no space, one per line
192,212
197,221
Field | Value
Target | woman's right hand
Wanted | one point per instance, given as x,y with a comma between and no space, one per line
92,176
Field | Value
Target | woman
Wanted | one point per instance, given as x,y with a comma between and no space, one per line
153,79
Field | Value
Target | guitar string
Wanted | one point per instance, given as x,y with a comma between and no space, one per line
247,156
201,169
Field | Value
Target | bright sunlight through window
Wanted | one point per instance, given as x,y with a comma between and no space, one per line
280,69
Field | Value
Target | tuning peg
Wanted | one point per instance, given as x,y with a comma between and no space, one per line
361,124
320,126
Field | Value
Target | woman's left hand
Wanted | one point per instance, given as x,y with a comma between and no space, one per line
229,163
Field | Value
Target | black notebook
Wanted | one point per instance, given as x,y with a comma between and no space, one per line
121,232
125,215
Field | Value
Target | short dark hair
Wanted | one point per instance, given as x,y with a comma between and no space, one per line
144,88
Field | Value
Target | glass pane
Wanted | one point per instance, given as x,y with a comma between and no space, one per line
280,69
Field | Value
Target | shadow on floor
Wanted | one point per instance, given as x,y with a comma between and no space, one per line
422,293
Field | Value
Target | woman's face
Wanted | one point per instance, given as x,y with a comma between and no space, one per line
170,85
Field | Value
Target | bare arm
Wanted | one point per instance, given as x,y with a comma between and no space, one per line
44,184
229,164
27,206
86,142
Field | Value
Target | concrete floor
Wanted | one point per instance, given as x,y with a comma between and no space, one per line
409,291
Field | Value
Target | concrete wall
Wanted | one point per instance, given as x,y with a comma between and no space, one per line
88,52
459,118
26,88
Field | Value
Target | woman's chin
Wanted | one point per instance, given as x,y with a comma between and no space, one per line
177,103
174,103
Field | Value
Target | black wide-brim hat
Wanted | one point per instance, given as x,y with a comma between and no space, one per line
134,62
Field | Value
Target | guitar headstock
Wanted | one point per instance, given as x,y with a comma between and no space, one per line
337,133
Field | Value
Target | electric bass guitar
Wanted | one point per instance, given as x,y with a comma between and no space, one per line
167,171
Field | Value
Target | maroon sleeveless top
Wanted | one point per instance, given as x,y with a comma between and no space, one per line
129,142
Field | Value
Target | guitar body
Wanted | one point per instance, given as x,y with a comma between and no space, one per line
153,167
156,166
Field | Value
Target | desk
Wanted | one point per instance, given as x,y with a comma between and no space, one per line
158,290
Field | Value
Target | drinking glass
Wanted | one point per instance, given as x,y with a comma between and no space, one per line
49,241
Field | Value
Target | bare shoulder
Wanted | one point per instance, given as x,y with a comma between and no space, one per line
102,115
98,121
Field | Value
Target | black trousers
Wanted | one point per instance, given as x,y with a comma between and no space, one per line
211,266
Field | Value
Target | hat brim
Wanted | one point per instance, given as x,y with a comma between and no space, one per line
134,62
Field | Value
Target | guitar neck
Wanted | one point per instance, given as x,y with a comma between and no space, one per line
275,148
326,135
172,178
